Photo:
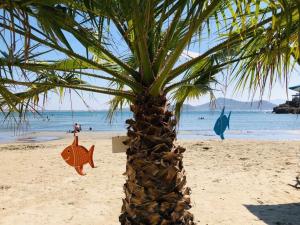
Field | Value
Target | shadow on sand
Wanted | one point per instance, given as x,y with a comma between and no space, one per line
282,214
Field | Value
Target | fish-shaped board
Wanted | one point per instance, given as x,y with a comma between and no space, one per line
76,156
222,123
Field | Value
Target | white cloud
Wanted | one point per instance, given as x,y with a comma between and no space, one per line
189,54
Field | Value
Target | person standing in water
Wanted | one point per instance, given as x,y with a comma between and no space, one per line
76,128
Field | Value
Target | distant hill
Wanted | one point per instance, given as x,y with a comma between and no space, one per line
278,101
231,104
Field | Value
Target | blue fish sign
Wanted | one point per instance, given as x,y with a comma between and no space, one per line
221,124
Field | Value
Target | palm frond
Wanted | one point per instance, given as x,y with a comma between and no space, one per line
137,44
199,84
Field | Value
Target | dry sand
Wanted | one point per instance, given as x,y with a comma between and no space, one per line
233,182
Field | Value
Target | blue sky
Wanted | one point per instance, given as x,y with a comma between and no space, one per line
100,101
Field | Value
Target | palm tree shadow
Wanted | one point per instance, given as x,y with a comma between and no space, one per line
281,214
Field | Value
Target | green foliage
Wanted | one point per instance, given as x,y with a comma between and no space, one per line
136,45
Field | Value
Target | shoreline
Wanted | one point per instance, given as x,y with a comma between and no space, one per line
258,135
47,136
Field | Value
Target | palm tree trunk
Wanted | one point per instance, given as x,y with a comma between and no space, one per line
155,191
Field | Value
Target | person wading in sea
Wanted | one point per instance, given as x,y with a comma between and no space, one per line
77,128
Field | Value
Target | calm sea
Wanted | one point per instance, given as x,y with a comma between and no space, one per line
243,125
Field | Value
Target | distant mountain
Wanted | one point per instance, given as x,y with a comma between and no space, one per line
278,101
231,104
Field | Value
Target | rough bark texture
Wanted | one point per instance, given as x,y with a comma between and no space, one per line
155,187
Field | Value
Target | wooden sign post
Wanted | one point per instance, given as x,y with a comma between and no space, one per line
118,145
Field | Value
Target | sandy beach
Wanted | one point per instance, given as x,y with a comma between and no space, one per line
233,182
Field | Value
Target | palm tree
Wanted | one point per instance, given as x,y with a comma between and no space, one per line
137,46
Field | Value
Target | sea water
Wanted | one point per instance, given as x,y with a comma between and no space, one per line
261,125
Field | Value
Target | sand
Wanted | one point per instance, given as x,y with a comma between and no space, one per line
233,182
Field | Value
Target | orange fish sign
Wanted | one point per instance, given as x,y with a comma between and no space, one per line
76,155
